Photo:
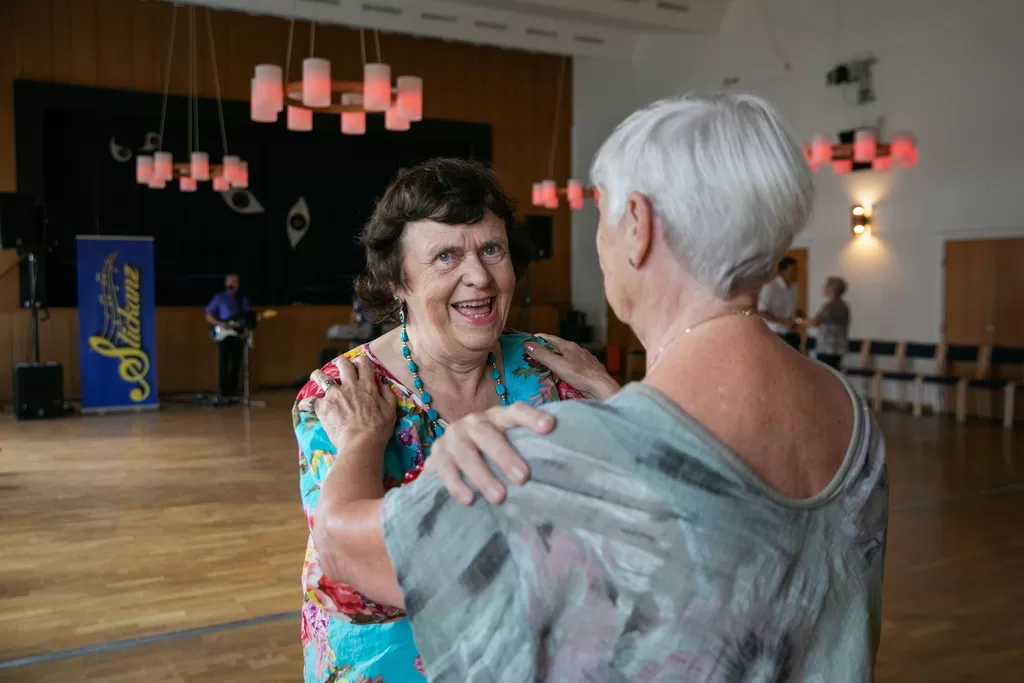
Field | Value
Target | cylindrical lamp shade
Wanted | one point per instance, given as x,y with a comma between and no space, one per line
550,192
864,146
242,177
842,166
410,97
881,164
377,87
157,183
268,87
300,120
574,191
316,82
904,152
221,184
821,150
394,121
537,195
163,166
551,202
143,169
187,184
353,122
231,165
200,166
260,110
597,195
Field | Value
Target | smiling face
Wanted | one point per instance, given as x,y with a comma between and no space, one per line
458,284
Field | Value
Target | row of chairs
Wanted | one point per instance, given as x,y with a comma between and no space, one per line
900,356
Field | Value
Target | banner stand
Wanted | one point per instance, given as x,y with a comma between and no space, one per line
117,323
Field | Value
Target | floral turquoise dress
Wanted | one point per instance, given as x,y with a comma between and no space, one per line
346,637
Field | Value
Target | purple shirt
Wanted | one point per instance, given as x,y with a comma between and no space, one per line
224,306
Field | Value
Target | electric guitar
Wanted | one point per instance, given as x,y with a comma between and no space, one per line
219,333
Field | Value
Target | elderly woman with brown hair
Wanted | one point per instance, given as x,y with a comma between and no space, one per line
724,520
443,253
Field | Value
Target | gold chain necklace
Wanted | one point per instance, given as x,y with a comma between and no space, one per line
691,328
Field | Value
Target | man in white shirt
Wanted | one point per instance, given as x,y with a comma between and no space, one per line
777,303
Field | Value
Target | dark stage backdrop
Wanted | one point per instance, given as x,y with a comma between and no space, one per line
82,135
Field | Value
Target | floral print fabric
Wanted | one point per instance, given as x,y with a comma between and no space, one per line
346,636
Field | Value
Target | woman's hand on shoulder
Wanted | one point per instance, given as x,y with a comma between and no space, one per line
461,451
356,407
575,365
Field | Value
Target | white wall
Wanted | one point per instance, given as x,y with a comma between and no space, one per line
948,71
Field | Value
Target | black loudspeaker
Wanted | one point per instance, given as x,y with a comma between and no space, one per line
38,390
18,225
539,228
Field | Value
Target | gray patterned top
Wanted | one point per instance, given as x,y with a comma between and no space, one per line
643,550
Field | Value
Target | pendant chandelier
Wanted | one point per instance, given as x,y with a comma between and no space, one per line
401,105
158,169
546,193
865,149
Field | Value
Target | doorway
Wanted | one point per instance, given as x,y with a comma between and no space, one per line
984,292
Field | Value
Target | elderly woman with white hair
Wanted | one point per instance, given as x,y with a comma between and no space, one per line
723,520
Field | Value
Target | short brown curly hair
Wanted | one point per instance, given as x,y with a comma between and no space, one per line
449,191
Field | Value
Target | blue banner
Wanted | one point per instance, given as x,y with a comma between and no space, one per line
116,323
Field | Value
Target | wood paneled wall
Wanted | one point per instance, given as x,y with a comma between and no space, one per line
122,44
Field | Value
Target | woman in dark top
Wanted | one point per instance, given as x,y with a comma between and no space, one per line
833,323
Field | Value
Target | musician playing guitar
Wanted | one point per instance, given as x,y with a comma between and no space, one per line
229,309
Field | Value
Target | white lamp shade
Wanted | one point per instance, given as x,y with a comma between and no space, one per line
268,86
300,120
143,169
864,146
260,110
821,150
200,166
187,184
163,166
316,82
394,121
377,87
231,165
221,184
353,122
410,97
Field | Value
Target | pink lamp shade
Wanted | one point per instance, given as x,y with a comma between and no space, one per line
242,176
597,195
261,110
864,146
410,97
901,148
550,192
394,121
842,166
187,184
163,166
574,193
881,164
157,183
316,82
231,165
221,184
200,166
821,150
143,169
377,87
300,120
537,194
551,202
268,87
353,122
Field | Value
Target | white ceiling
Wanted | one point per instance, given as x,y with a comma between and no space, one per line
602,28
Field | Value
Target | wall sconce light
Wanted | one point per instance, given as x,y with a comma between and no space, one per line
860,220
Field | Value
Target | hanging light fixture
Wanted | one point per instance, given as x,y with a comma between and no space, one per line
271,93
159,169
865,149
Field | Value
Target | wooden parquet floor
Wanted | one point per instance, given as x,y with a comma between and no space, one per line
183,530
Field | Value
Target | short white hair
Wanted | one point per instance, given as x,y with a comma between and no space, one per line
727,179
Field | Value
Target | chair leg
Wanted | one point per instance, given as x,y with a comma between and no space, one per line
961,401
878,389
918,396
1010,394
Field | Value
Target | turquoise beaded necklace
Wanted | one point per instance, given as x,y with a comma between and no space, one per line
425,396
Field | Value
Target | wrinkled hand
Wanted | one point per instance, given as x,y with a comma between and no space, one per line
357,406
461,450
574,365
